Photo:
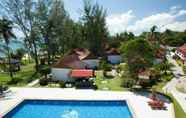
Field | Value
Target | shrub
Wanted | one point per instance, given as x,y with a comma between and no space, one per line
43,82
105,66
167,77
62,84
145,84
173,50
127,83
44,70
14,81
184,69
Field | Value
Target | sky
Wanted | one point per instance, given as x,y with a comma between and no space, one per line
137,16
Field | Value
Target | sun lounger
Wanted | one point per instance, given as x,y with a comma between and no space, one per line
157,104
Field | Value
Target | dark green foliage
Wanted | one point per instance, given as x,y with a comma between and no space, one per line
95,27
44,70
14,81
43,82
6,33
62,84
138,54
173,38
18,54
105,66
128,83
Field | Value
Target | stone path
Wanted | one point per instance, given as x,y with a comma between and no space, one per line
33,83
171,86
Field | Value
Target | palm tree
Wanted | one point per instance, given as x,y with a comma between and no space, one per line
154,36
6,33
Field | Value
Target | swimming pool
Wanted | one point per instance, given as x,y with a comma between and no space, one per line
70,109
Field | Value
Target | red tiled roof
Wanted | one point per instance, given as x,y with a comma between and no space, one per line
81,52
182,49
69,61
81,73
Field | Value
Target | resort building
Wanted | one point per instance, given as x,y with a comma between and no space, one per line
181,53
113,56
76,64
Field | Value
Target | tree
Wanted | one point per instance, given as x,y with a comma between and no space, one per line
138,55
6,32
95,27
173,38
165,66
154,36
44,25
124,36
22,13
18,54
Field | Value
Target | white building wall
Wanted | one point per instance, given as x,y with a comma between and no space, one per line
61,74
92,63
179,54
114,59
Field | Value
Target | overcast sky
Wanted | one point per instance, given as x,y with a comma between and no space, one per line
137,15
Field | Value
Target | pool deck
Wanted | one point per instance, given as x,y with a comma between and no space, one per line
136,102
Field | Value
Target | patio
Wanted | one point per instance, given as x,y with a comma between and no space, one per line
137,102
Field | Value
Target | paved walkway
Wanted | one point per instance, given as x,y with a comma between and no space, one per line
33,83
137,102
171,86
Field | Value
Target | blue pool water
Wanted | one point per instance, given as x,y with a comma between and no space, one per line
70,109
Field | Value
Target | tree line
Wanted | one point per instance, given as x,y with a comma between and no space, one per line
47,27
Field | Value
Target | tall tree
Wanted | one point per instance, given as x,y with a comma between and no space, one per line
22,13
154,36
95,26
58,19
44,25
6,32
138,54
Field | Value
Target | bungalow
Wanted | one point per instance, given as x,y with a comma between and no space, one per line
113,56
181,53
63,68
91,61
74,62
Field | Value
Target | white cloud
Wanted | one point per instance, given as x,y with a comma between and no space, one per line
176,26
164,20
119,22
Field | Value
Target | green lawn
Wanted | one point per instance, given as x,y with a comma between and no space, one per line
114,84
22,77
179,113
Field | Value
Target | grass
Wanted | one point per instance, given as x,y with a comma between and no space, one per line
184,69
114,84
22,77
179,62
179,113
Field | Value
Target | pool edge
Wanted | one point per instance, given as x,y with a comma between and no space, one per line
131,110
